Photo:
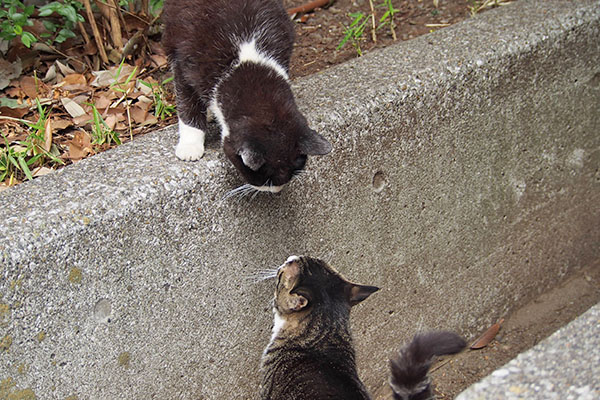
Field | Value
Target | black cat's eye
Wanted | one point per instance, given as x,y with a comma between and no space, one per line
299,162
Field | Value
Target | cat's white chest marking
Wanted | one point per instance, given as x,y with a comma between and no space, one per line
217,112
191,142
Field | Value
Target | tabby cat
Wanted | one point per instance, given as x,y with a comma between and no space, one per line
232,57
310,355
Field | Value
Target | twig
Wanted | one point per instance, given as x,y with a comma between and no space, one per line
86,37
309,6
373,34
97,37
56,51
440,365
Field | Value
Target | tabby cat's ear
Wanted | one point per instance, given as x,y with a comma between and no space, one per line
357,293
296,302
251,158
313,144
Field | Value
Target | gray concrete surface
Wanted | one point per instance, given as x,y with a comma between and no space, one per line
564,366
464,180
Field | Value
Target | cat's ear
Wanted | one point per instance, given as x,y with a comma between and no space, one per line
296,302
313,144
357,293
251,158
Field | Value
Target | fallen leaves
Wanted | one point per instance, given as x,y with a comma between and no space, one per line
489,335
80,146
79,110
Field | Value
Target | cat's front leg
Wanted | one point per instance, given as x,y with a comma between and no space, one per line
192,120
191,142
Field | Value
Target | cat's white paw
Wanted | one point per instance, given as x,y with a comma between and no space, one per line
191,143
189,151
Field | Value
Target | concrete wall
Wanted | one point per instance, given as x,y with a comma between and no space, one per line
464,180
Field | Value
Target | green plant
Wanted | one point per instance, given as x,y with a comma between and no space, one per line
355,31
122,87
19,158
101,132
388,17
162,109
14,15
58,32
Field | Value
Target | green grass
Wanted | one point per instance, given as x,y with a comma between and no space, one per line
19,158
355,32
162,109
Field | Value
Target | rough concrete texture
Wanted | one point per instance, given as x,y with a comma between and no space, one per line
464,180
565,366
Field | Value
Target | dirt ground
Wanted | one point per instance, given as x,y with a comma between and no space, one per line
322,30
521,330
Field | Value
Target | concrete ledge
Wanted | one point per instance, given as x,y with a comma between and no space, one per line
564,366
464,180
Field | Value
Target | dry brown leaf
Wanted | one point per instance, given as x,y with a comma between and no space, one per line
159,60
60,124
81,99
65,69
102,102
487,336
75,79
112,76
144,89
14,112
9,71
48,135
111,121
41,171
13,92
74,109
29,86
82,120
80,146
50,74
138,115
90,49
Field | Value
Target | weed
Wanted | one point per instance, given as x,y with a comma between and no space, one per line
124,86
162,109
18,159
101,132
388,17
355,31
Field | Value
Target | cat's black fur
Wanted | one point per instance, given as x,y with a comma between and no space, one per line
409,380
311,356
268,138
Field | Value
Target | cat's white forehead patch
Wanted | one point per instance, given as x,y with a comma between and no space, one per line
291,259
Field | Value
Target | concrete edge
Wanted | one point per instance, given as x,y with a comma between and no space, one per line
565,365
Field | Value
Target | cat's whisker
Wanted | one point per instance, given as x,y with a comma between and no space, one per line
237,191
262,275
300,175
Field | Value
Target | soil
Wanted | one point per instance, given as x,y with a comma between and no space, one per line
521,330
319,33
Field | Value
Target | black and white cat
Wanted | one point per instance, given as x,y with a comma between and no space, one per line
310,355
232,57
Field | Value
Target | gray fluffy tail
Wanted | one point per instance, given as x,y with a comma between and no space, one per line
409,380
